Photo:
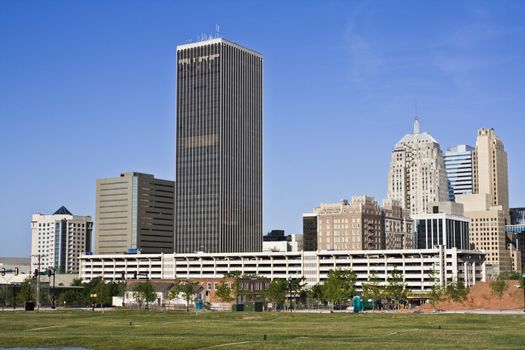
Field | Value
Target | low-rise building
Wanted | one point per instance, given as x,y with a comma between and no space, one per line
417,266
277,241
444,224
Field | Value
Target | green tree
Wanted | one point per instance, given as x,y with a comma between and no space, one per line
396,288
498,285
294,287
373,289
316,293
513,276
187,288
103,294
437,292
116,289
456,291
236,287
276,291
3,293
144,293
510,276
224,292
339,286
26,292
73,297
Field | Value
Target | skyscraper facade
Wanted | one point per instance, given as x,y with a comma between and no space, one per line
490,168
59,239
488,205
417,174
219,148
458,162
134,212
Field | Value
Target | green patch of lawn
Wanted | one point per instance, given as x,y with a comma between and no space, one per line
122,329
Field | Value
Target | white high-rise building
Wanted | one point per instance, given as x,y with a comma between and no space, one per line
417,174
458,162
59,239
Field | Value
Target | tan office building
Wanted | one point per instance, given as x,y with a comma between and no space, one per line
488,206
358,225
490,168
398,226
135,211
487,230
352,225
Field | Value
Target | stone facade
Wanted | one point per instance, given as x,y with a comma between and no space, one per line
417,174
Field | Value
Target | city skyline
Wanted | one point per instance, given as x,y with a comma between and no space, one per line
360,102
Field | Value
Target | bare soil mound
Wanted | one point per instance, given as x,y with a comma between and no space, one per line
482,297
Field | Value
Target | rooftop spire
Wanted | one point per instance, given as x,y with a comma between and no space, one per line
416,125
62,211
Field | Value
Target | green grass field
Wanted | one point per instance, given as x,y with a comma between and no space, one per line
177,330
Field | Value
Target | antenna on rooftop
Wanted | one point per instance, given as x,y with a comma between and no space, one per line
217,31
416,125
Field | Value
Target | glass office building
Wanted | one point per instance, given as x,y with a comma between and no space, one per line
517,216
458,162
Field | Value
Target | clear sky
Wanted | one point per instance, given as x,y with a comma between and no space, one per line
87,90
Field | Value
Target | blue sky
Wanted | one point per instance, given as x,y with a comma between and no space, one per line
87,90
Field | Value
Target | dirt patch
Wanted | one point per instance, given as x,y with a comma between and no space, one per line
482,297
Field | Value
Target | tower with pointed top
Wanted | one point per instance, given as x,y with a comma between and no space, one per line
59,239
417,174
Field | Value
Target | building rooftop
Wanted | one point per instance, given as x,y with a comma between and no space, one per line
210,41
62,211
416,136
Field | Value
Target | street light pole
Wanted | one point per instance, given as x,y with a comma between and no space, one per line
93,300
39,256
53,306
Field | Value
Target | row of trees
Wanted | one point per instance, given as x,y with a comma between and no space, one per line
77,295
338,289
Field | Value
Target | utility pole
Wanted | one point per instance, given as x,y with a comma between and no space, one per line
39,256
38,285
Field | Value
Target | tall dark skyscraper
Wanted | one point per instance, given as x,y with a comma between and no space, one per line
219,148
